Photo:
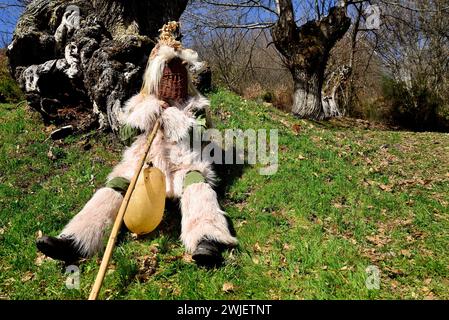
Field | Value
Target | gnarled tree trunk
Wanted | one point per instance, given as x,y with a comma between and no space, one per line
78,61
306,50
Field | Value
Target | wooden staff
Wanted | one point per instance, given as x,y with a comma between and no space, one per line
119,219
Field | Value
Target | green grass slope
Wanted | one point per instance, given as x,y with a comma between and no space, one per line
346,196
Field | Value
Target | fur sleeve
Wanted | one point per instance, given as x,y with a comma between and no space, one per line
176,124
196,103
142,112
200,104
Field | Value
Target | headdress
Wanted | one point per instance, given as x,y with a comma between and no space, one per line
167,74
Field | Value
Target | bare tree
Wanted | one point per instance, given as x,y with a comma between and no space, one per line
303,32
414,47
241,60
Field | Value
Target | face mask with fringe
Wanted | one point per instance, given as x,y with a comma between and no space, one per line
169,68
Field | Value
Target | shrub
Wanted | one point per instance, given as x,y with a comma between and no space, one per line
253,91
283,98
9,90
417,107
268,96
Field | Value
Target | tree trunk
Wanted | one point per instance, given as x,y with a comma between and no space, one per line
78,61
306,51
307,95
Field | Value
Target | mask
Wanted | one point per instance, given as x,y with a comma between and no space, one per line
173,86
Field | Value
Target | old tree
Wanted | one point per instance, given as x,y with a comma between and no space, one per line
79,60
306,50
303,32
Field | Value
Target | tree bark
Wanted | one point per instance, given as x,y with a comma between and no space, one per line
78,61
306,51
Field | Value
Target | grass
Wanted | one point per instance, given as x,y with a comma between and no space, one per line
347,195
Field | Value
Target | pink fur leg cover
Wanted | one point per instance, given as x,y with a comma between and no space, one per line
202,217
90,225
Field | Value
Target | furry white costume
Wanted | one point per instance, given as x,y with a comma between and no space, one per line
203,222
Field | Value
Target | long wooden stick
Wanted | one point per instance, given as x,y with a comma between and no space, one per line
119,219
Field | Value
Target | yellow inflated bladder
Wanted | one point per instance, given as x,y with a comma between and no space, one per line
146,205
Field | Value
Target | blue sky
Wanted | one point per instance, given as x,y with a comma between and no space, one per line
8,20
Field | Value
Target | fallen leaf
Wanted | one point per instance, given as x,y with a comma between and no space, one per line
386,188
394,272
39,234
338,205
379,240
228,287
40,258
430,296
296,128
154,248
27,276
147,266
394,284
406,253
187,258
241,223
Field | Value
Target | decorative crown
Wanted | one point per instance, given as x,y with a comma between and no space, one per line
168,35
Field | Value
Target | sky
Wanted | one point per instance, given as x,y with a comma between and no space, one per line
10,15
8,20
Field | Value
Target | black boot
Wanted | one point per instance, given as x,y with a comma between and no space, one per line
63,248
208,253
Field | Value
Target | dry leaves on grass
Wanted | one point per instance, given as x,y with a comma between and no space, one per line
38,234
405,253
296,129
147,266
228,287
40,258
393,272
28,276
379,240
187,258
241,223
339,204
386,187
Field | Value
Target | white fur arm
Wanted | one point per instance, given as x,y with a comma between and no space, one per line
176,124
142,112
197,102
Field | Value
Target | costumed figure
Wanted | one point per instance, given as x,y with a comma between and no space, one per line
169,96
